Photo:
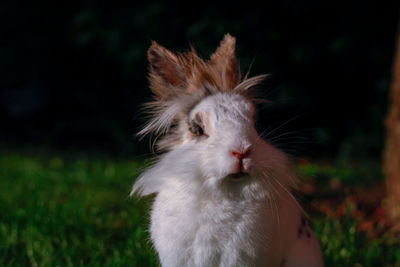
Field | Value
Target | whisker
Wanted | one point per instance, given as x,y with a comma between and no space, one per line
289,133
273,199
288,192
283,124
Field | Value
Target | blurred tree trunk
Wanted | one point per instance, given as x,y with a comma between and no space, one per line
392,146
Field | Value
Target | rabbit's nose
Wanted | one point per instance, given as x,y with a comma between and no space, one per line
240,155
240,166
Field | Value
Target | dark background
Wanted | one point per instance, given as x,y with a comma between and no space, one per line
73,73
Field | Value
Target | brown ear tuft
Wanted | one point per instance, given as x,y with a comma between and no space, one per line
225,60
165,70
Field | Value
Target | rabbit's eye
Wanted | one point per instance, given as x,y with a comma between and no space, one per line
196,125
196,129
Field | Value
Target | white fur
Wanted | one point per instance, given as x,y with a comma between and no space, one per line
202,217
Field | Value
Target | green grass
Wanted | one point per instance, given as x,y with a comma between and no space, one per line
75,211
354,175
58,212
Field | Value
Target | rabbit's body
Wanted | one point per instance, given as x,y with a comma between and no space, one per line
223,193
190,230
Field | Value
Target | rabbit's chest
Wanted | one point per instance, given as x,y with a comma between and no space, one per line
210,233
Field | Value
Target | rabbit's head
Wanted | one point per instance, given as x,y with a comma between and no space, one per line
203,116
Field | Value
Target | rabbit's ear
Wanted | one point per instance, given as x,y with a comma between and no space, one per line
166,71
225,60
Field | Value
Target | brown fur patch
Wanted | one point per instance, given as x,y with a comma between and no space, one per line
165,64
207,123
225,59
172,74
173,137
180,80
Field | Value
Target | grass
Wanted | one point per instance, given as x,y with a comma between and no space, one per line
60,212
75,211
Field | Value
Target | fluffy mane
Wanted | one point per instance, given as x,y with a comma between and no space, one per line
180,80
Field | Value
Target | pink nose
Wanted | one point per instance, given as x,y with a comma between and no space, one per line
240,155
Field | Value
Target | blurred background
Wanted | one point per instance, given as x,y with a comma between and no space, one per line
73,74
73,79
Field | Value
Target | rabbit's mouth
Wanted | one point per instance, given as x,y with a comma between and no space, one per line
238,175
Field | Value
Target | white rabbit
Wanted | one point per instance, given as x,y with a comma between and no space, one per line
223,194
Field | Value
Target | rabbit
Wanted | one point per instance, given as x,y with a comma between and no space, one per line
223,194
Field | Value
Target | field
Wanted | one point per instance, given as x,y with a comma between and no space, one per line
75,211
